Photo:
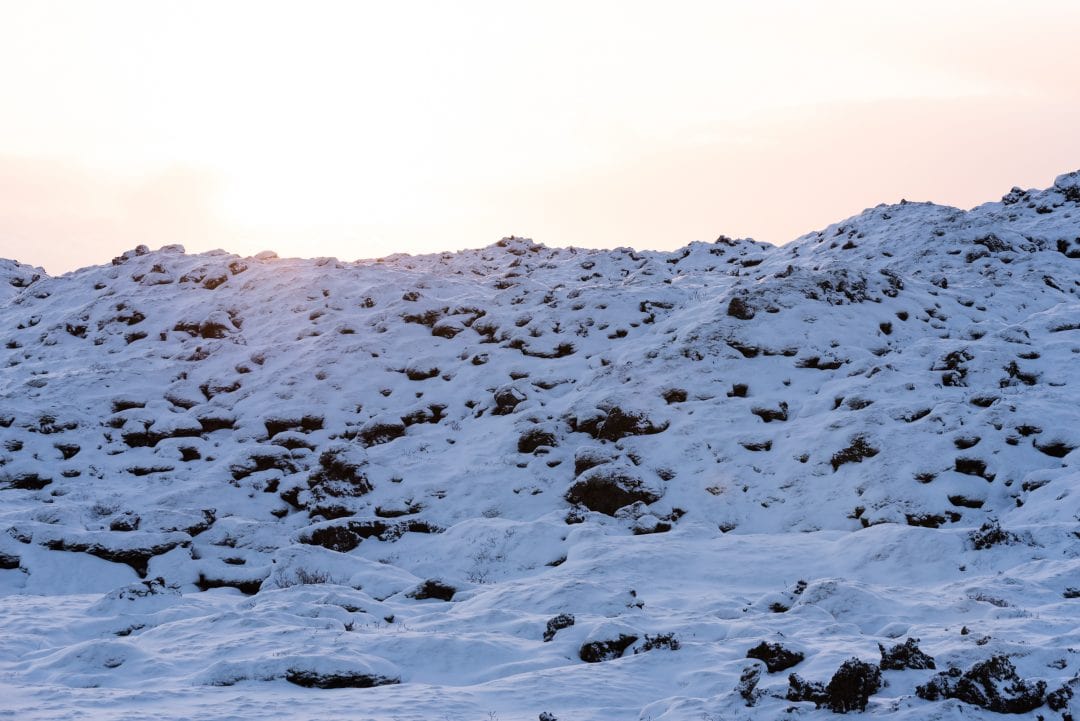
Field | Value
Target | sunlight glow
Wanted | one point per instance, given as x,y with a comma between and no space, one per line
362,128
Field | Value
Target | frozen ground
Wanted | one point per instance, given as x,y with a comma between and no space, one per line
520,481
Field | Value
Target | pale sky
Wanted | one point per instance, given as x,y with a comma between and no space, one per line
359,129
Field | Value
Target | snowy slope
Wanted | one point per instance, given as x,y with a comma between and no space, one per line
228,480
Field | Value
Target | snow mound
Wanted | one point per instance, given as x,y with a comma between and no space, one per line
523,481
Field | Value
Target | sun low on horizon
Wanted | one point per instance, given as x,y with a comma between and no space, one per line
539,361
363,129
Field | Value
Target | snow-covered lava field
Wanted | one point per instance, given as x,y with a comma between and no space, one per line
733,481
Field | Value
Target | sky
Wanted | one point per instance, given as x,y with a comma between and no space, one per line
360,129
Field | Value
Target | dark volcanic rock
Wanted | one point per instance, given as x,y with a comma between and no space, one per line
799,689
556,624
340,474
26,481
992,684
535,438
312,679
615,423
433,588
738,308
849,689
381,431
855,452
776,657
606,489
852,685
597,651
138,557
905,655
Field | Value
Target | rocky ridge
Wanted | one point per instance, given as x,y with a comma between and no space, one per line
876,410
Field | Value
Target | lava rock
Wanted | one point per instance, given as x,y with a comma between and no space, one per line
905,655
535,438
507,399
738,308
776,657
312,679
433,588
849,689
597,651
992,684
340,474
606,489
615,423
556,624
381,430
855,452
852,685
747,686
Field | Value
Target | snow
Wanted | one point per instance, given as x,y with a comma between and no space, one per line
230,482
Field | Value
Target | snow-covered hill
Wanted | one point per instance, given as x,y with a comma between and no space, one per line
522,480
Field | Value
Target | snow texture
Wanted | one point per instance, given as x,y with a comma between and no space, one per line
523,482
